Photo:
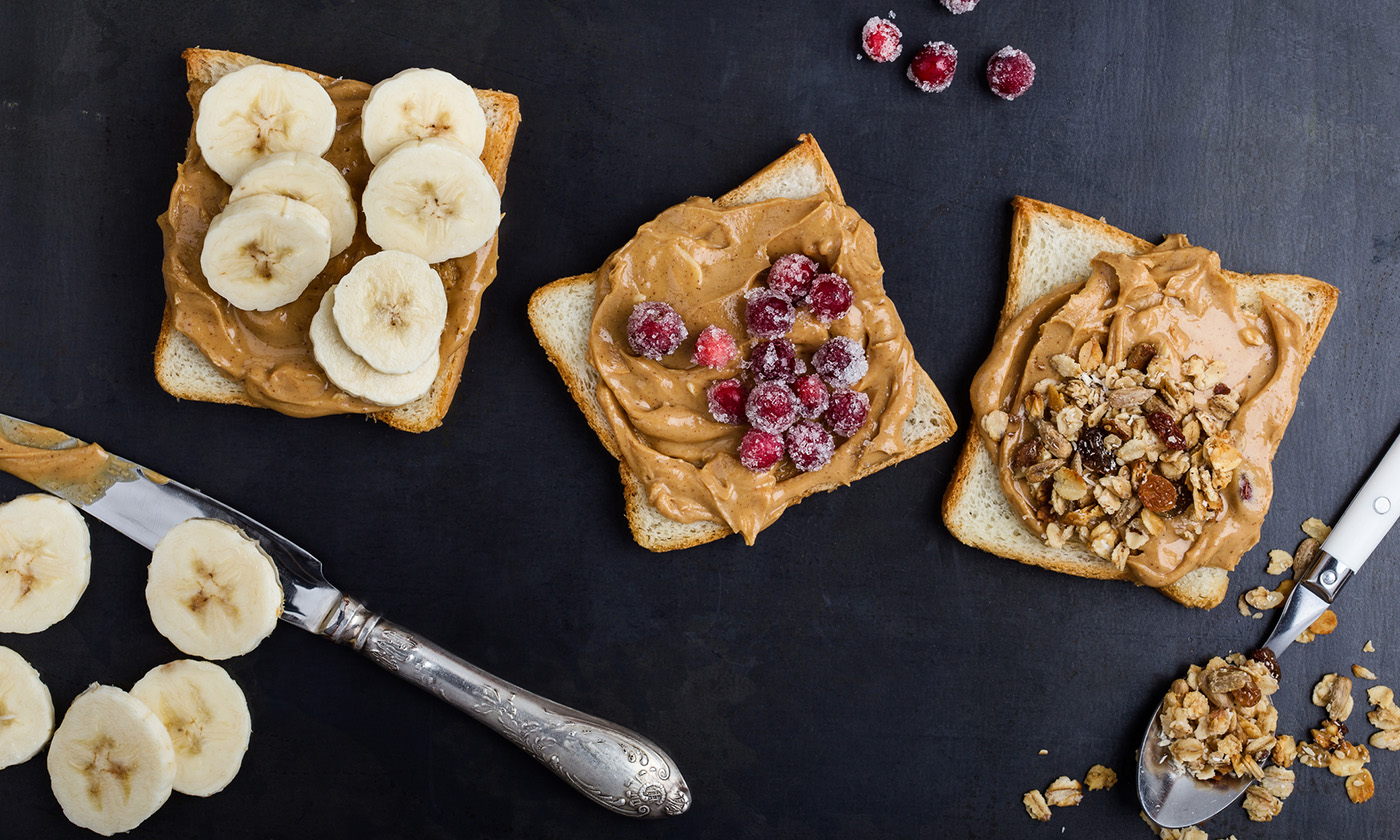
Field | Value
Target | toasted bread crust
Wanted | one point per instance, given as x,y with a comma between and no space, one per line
1203,587
212,385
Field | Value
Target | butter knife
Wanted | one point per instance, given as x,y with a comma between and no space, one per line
611,765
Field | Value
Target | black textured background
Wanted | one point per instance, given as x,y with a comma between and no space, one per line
858,673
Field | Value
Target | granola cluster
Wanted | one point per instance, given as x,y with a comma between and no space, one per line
1111,452
1065,792
1219,721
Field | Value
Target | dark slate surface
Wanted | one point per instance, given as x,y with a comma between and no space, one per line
858,673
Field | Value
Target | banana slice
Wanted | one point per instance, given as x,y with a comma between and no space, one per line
307,178
111,762
416,104
45,562
354,375
26,710
391,309
259,111
432,198
264,250
206,715
212,591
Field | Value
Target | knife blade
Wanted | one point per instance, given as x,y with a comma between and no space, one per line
611,765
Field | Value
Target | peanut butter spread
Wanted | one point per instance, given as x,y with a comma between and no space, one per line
1195,395
79,472
701,259
269,353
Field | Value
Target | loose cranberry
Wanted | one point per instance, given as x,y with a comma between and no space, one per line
880,39
714,348
792,275
830,297
655,330
957,7
1010,73
933,67
840,361
775,360
812,396
726,398
760,450
769,313
771,407
848,411
809,446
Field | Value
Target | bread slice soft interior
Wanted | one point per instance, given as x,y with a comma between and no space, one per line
182,368
562,314
1052,247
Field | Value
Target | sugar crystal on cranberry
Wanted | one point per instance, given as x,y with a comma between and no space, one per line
771,407
792,275
1010,72
848,411
775,360
809,445
830,297
880,39
840,361
655,330
933,66
769,313
812,396
760,450
714,348
726,399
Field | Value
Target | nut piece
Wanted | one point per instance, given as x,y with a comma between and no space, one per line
1368,647
1316,528
1100,777
1036,806
1334,692
1260,805
1363,672
1262,598
1064,792
1280,561
1361,787
1305,555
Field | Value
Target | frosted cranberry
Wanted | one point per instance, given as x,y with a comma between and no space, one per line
775,360
809,445
933,67
812,396
714,348
957,7
792,275
840,361
848,411
1010,73
769,313
830,297
726,398
880,39
655,330
771,407
760,450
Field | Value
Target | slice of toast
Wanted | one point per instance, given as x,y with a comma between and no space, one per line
562,314
184,371
1052,247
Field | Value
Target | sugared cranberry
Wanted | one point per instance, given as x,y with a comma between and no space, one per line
771,407
933,67
840,361
714,348
775,360
1010,72
812,396
830,297
848,411
809,445
792,275
957,7
726,398
880,39
655,330
769,313
760,450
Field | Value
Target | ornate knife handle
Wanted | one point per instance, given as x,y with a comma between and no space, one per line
613,766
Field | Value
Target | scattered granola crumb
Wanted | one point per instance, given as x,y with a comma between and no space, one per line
1386,717
1044,752
1244,607
1285,751
1305,637
1316,528
1363,672
1100,777
1064,792
1325,624
1257,615
1280,561
1260,805
1368,647
1361,787
1036,806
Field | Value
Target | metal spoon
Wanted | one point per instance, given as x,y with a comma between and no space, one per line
1174,799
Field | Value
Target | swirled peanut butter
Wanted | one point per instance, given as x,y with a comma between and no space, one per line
79,472
701,259
269,353
1177,461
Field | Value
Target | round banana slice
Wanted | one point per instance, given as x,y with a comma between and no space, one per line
416,104
354,375
212,591
206,715
391,309
26,710
111,762
432,198
264,250
45,562
308,178
258,111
